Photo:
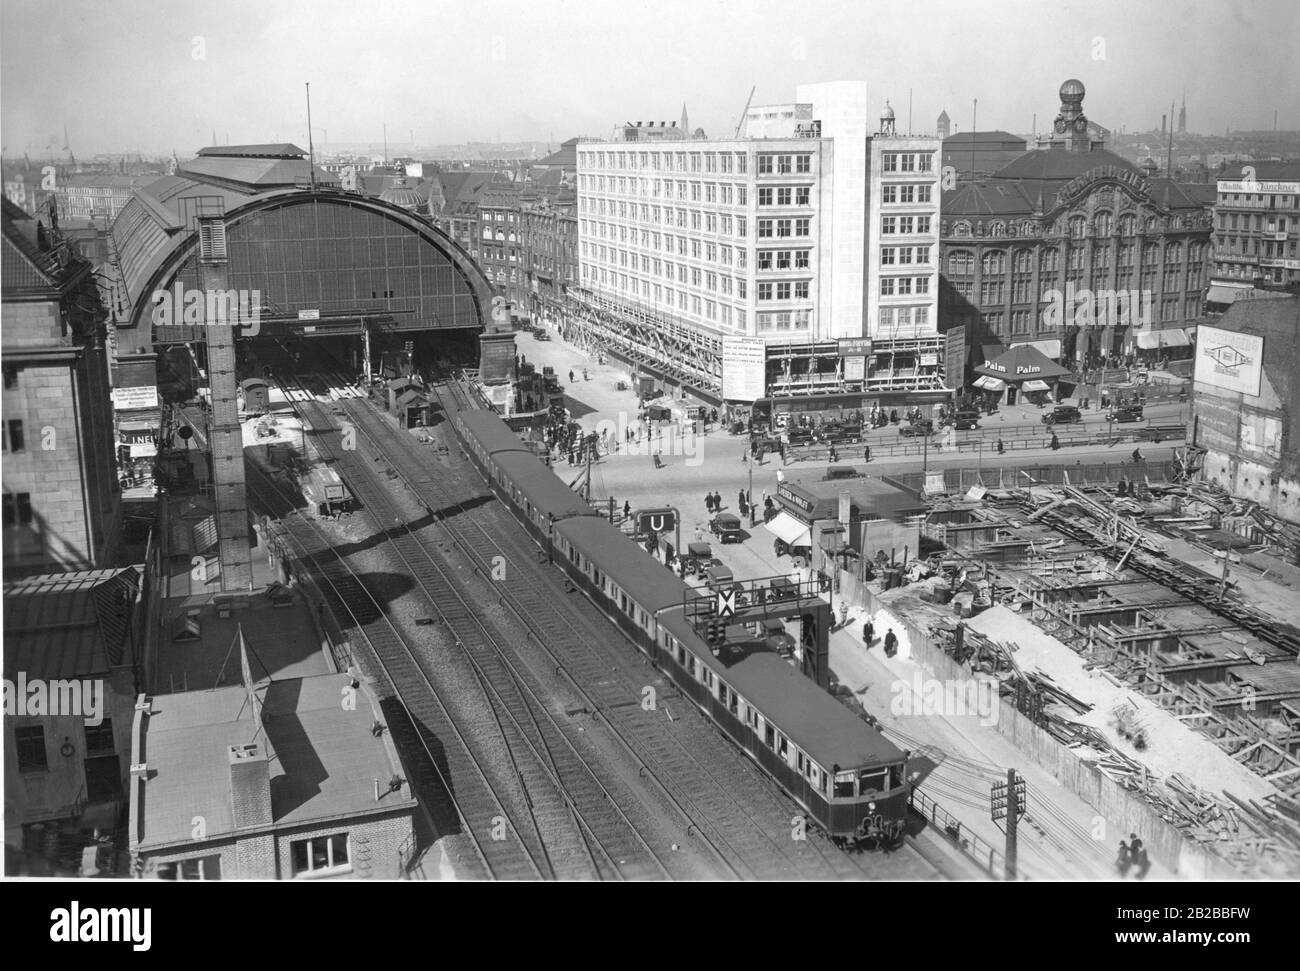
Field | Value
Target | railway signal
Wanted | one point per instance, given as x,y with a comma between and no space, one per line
727,603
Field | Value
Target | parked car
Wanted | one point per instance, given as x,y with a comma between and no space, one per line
1063,415
726,526
1126,413
966,419
542,334
923,428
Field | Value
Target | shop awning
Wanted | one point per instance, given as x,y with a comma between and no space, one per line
1173,337
990,384
1049,348
790,530
1217,294
1034,386
1022,363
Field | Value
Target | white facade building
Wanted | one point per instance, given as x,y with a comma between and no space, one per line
785,235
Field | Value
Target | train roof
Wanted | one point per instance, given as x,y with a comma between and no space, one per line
541,486
493,434
809,716
322,475
647,581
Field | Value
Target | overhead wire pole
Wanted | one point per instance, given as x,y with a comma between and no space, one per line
311,148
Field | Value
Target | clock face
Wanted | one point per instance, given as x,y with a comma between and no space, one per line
1060,125
1080,125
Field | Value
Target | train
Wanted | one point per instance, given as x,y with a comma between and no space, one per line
325,492
849,779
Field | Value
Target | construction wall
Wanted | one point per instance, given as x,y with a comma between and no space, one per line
1124,812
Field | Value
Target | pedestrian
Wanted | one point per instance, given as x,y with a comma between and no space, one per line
780,473
744,456
708,501
740,500
1137,455
627,510
1143,863
570,375
1134,845
891,643
1056,443
584,375
1001,448
868,633
1125,860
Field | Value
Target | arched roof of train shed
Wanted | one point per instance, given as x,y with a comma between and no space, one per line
156,237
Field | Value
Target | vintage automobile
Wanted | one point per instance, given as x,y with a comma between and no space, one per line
726,527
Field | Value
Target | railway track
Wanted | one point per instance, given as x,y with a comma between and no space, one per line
702,791
575,823
426,730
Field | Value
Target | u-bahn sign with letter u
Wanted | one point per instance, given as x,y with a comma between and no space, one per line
656,520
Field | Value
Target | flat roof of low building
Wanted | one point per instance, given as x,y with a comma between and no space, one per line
323,758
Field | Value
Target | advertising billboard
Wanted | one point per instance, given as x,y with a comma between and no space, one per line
1228,360
744,364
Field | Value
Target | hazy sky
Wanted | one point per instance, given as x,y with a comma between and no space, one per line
127,75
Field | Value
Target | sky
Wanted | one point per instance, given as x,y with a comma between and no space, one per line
140,75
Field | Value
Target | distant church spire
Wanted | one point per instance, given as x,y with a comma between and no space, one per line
686,125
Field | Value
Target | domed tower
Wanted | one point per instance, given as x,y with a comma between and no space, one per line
944,125
1071,128
887,120
402,194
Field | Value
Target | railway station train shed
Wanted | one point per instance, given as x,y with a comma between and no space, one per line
306,258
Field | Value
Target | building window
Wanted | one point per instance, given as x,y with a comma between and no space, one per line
31,747
11,376
801,290
765,165
324,854
18,509
888,224
199,868
765,291
99,739
14,441
886,286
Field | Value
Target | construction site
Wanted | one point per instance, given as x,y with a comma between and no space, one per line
1146,641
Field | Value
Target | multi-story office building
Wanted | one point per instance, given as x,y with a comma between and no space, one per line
1256,231
802,235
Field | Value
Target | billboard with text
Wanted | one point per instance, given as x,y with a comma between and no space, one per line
1228,360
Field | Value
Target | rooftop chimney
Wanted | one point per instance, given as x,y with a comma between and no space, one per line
250,785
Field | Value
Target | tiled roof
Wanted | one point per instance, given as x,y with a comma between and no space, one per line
1058,165
986,199
68,625
282,150
1288,171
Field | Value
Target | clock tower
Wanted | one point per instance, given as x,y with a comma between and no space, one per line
1070,131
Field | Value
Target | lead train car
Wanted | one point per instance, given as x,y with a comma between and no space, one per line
846,775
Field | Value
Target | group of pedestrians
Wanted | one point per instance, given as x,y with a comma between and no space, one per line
869,636
1133,854
713,502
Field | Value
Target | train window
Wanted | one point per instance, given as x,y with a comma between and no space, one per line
734,704
844,785
782,746
681,655
690,665
872,780
708,678
895,776
769,736
799,762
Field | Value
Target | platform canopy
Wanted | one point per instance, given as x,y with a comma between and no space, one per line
1022,363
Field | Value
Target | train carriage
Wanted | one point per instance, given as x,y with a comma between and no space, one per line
841,770
325,492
